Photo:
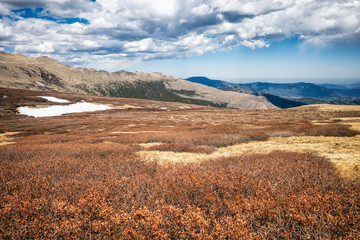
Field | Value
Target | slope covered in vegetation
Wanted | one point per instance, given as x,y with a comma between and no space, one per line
94,175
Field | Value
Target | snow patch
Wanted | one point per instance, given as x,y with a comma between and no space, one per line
40,83
54,99
60,110
4,96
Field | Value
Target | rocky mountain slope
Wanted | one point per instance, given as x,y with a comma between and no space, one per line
43,73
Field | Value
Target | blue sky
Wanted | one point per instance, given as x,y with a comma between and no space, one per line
284,61
234,40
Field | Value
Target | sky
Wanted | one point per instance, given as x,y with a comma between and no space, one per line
233,40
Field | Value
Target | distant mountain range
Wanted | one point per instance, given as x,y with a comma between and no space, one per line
301,92
44,73
342,86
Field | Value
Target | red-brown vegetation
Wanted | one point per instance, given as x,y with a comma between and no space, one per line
103,191
181,147
308,129
328,130
79,176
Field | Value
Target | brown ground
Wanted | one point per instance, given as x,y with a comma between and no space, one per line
226,132
85,149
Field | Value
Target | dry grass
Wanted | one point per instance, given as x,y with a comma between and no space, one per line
332,108
103,191
181,147
6,139
342,151
354,122
236,174
125,107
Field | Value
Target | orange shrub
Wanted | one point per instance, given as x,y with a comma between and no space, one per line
335,130
330,130
103,191
181,147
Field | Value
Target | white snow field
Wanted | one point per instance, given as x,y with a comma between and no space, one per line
54,99
60,110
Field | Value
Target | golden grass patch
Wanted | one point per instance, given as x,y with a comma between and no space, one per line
329,107
5,139
124,107
353,121
185,107
152,144
342,151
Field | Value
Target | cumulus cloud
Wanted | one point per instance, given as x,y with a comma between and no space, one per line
153,29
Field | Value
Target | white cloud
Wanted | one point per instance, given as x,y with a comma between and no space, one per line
5,29
253,44
4,10
146,44
101,22
202,9
193,40
90,44
251,7
148,29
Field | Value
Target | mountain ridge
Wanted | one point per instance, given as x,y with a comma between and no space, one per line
275,100
44,73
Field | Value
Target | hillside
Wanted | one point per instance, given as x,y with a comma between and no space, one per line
212,83
147,169
292,90
43,73
325,92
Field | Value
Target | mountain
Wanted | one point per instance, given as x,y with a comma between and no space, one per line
279,101
211,83
342,86
346,90
326,92
44,73
292,90
275,100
